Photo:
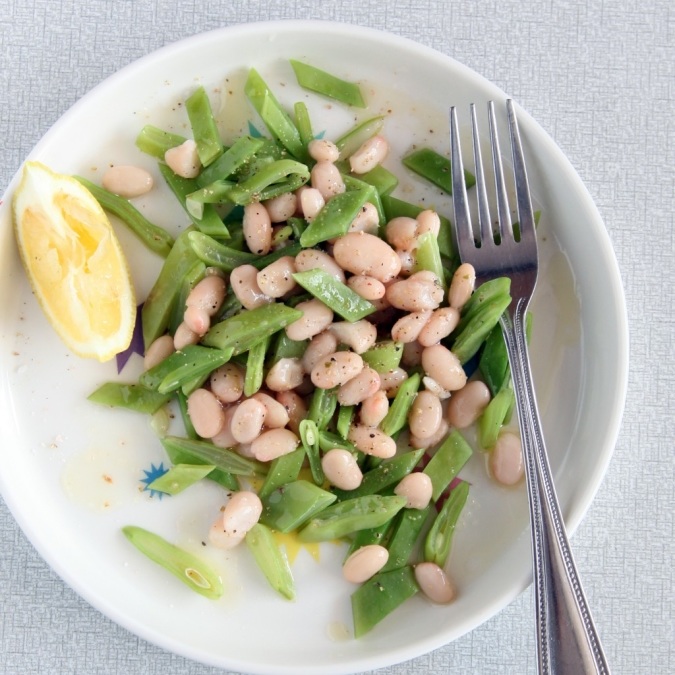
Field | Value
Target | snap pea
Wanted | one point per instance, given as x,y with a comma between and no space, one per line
309,436
131,396
182,365
154,237
222,458
468,341
372,535
481,296
329,440
208,221
281,235
381,595
255,363
282,470
321,82
447,462
272,114
204,129
192,571
397,416
232,160
351,515
334,218
353,139
189,384
394,207
157,308
180,477
334,294
213,193
322,407
435,168
303,123
494,416
243,330
405,532
389,472
271,560
178,455
155,142
290,506
384,356
428,257
344,419
187,422
439,538
216,254
383,180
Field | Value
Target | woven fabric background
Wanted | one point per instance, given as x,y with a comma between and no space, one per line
599,76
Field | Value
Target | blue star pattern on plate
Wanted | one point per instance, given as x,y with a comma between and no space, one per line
151,475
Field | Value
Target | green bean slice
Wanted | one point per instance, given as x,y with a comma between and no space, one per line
192,571
134,397
397,416
282,470
321,82
204,129
435,168
384,356
439,538
255,367
271,560
290,506
405,532
353,139
180,477
447,462
155,142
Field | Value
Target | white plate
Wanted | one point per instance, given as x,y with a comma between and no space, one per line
70,470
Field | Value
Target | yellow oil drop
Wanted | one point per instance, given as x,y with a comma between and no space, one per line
293,546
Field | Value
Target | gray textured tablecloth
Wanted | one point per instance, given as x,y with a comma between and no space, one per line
599,76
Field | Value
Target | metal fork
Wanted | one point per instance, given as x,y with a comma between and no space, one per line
567,640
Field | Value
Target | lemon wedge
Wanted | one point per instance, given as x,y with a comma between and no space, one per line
74,262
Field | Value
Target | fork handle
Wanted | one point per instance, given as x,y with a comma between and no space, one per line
567,640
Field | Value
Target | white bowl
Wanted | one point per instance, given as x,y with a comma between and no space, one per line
56,448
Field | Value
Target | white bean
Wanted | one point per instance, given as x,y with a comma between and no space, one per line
369,288
319,347
401,233
257,228
160,349
227,382
359,388
311,201
467,404
240,514
374,409
208,294
323,150
425,415
408,327
417,488
392,380
434,583
197,320
224,438
127,181
326,178
407,259
247,420
336,369
431,385
341,469
462,285
281,208
441,364
311,259
359,335
506,459
244,282
419,292
276,279
184,336
369,155
364,563
183,160
206,413
294,406
274,443
285,374
315,318
441,323
367,220
428,221
276,416
372,441
431,441
363,253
